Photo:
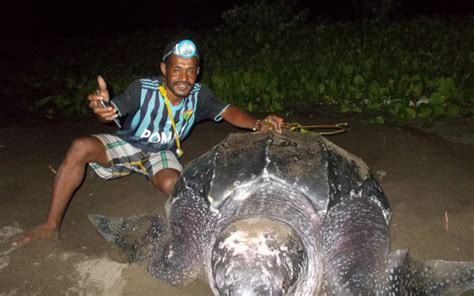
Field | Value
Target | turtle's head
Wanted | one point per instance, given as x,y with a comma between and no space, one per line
250,278
257,257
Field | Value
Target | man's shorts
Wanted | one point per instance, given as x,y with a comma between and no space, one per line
125,159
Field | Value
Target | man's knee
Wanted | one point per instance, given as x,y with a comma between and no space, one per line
165,180
87,149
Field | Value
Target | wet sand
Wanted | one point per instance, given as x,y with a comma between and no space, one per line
428,180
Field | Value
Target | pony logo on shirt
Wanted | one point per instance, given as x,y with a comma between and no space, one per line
187,114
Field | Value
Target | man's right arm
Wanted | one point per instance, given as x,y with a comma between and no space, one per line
96,100
119,106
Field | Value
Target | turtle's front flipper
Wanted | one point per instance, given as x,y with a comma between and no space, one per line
406,274
180,262
140,238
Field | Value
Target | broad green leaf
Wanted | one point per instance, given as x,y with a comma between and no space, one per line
447,87
417,90
438,110
359,80
345,108
374,106
411,112
250,107
437,98
276,106
309,86
379,120
333,87
449,83
347,69
368,64
322,88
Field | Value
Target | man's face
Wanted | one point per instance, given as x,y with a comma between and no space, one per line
180,75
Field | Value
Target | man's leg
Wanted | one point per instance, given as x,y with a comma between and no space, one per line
69,177
165,180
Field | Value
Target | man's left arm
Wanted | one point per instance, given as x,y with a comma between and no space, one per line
242,119
211,107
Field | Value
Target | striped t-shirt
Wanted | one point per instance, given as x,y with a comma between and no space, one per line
146,123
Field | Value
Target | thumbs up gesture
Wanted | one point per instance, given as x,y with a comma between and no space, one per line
99,102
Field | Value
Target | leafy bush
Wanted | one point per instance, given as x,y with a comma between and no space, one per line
414,69
400,71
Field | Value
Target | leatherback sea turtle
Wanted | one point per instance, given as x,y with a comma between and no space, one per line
280,214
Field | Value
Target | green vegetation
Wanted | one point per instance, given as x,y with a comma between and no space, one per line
400,71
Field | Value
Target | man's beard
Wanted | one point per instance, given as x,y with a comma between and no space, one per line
175,90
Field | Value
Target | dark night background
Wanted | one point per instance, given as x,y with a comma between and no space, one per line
41,19
46,38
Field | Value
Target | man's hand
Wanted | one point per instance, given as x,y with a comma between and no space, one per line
242,119
105,114
41,232
270,122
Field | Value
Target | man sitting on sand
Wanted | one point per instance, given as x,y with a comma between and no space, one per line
157,113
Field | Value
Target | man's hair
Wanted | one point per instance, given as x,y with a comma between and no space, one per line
168,52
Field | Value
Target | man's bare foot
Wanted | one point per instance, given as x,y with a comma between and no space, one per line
40,232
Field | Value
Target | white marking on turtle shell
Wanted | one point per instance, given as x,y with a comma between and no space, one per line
240,243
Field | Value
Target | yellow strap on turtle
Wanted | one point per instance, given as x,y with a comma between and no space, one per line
339,128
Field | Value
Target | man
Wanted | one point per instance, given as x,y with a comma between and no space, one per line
158,113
